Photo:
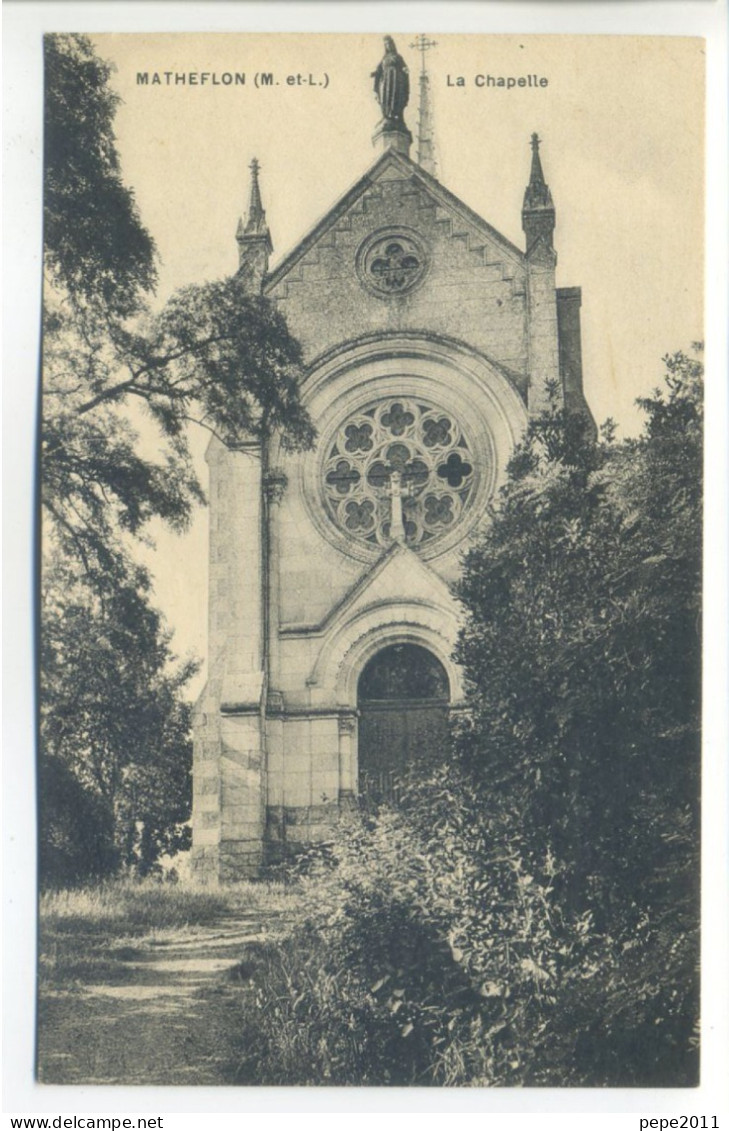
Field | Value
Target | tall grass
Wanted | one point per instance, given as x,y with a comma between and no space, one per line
139,907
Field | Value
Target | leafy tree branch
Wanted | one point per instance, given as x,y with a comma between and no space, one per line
216,356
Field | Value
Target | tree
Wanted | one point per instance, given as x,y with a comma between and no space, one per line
116,758
582,644
216,355
96,248
582,650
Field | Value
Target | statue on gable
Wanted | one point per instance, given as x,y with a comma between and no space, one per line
392,84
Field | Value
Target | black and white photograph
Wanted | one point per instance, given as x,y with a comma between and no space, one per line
369,581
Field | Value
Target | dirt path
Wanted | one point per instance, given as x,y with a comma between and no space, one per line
163,1010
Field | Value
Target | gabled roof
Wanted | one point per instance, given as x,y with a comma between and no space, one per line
408,168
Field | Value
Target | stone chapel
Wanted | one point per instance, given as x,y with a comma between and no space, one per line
429,339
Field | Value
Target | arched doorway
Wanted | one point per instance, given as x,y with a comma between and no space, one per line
402,696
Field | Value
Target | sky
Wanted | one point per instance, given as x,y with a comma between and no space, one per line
621,122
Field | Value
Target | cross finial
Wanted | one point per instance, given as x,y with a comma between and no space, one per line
422,43
536,142
255,207
426,140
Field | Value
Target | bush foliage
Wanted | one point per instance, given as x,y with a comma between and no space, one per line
528,915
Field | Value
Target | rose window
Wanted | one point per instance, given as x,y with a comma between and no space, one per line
392,264
398,470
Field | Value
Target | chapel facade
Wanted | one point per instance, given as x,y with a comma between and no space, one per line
429,340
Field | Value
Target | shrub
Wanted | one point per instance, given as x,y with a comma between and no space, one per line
426,954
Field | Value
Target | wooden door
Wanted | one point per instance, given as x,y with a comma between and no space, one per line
403,725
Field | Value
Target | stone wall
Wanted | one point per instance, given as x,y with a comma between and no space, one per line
474,289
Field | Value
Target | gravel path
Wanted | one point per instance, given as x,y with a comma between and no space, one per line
165,1010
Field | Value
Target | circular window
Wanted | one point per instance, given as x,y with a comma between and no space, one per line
393,263
400,469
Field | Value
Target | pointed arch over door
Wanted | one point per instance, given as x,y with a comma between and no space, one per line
403,696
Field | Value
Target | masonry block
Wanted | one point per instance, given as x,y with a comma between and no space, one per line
275,788
234,815
206,835
297,789
325,761
324,787
208,786
251,831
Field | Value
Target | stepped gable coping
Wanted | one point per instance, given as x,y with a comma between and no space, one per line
443,196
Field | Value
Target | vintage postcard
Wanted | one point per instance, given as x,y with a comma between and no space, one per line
370,595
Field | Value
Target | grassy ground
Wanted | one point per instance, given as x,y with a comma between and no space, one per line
144,983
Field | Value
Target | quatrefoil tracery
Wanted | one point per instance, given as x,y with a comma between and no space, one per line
395,267
392,263
358,437
397,419
454,470
404,447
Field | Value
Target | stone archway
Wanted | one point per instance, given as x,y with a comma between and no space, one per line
403,696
